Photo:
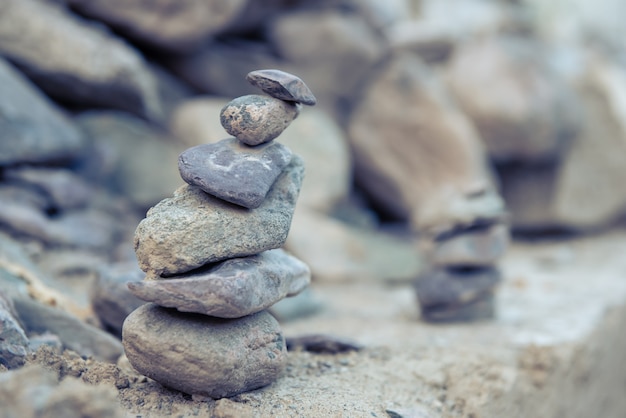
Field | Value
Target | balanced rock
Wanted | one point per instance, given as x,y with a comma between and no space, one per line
194,228
203,355
472,247
233,171
282,85
231,289
256,119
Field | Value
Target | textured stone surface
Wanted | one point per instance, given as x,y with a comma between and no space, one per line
234,171
256,119
75,61
282,85
194,228
202,355
32,130
473,247
13,340
429,168
230,289
447,287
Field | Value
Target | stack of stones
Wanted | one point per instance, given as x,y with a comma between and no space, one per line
463,276
212,252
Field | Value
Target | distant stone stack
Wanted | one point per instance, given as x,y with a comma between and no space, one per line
460,282
212,252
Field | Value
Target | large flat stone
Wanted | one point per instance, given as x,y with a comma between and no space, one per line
194,228
232,288
203,355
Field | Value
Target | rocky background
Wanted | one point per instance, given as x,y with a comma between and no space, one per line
419,104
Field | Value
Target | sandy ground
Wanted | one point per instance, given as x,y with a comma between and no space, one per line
556,348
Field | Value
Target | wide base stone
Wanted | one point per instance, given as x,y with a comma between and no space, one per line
203,355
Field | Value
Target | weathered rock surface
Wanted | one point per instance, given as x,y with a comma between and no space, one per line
429,167
541,113
171,24
282,85
13,340
234,172
194,228
230,289
202,355
32,130
255,119
110,297
101,70
473,247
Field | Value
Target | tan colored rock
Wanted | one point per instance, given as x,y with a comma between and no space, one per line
171,24
197,121
519,105
584,190
74,61
416,154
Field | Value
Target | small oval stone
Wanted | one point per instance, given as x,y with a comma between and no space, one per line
203,355
473,247
256,119
282,85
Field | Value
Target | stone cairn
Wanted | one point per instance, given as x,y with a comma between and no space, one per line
460,283
212,252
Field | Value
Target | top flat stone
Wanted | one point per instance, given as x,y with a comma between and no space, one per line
234,172
282,85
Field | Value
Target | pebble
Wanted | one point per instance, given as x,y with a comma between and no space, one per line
203,355
256,119
282,85
473,247
234,172
231,289
455,287
194,228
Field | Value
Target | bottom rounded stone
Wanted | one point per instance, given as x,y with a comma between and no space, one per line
203,355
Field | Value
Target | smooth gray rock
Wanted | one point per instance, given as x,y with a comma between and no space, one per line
473,247
194,228
256,119
233,171
282,85
110,297
202,355
32,130
13,340
455,287
232,288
